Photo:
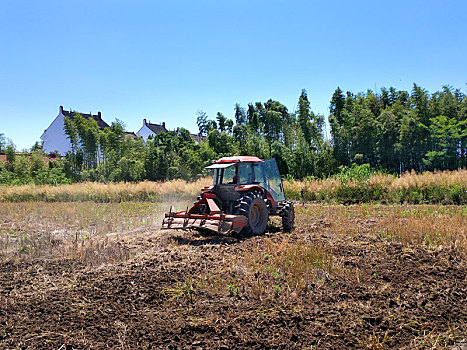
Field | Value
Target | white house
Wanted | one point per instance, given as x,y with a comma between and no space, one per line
149,129
54,138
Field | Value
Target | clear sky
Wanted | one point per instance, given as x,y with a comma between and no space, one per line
165,60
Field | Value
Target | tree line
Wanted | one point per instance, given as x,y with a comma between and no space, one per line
397,131
391,130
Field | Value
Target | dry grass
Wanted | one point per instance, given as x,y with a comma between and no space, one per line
431,226
279,269
428,179
91,232
87,231
448,187
99,192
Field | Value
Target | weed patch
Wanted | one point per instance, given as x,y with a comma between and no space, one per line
283,268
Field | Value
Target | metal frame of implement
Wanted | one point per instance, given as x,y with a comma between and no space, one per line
215,221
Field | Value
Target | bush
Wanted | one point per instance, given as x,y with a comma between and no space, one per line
32,169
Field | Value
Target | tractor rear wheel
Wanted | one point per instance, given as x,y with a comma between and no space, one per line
288,216
253,207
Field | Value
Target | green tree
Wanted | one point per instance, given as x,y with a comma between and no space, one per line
304,117
112,148
411,141
220,142
445,133
84,135
10,153
274,119
420,100
71,131
158,158
229,124
337,105
373,103
202,121
387,139
221,121
364,135
253,119
240,137
339,121
240,117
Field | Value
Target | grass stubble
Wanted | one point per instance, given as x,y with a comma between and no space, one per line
311,263
87,231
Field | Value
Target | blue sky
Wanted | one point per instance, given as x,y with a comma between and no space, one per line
165,60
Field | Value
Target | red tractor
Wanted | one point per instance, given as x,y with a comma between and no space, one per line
245,192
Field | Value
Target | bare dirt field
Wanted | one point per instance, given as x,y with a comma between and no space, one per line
87,275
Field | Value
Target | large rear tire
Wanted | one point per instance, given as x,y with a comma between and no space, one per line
253,207
288,217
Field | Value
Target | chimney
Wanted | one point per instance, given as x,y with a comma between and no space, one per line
144,122
99,115
163,125
60,110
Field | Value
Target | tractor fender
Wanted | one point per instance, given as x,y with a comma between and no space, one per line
244,188
210,195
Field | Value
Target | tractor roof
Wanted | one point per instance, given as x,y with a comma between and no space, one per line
239,159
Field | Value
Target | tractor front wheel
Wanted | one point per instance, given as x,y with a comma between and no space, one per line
253,207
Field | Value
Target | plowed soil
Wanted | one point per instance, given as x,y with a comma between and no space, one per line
183,290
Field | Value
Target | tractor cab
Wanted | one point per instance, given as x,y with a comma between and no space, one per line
239,174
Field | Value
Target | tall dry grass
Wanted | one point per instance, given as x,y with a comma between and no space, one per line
100,192
447,187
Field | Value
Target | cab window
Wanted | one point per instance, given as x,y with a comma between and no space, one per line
274,185
229,174
224,175
259,174
245,173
